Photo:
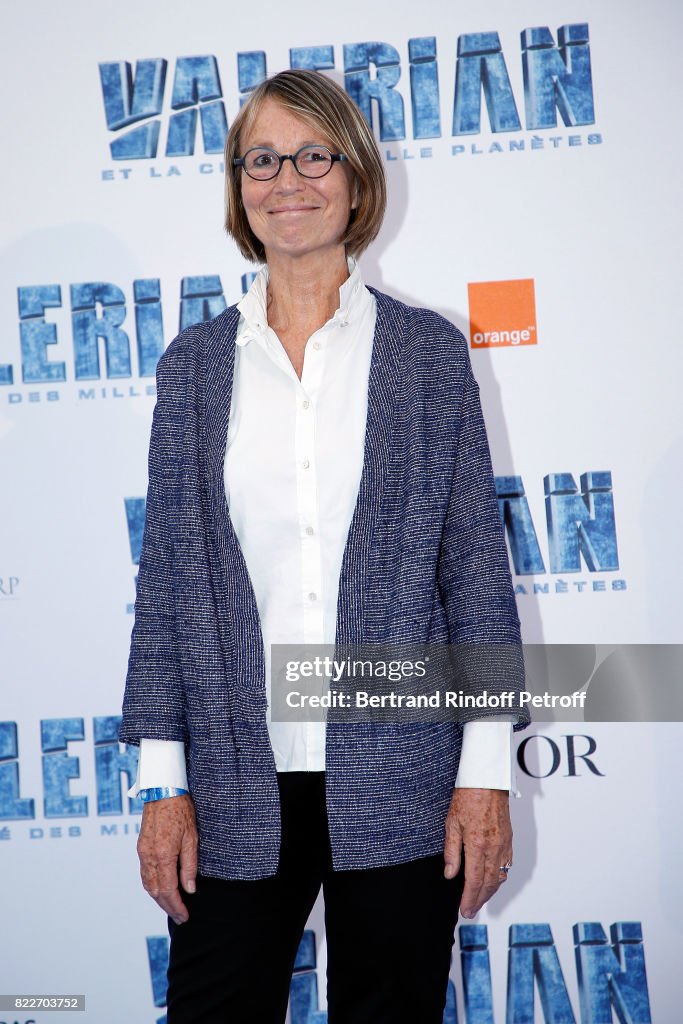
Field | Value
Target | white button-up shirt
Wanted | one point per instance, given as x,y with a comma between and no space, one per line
293,463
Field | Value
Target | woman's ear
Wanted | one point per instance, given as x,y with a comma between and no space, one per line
355,193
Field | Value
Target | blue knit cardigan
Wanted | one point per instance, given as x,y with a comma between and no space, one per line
425,562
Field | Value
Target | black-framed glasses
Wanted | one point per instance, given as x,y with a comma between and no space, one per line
263,163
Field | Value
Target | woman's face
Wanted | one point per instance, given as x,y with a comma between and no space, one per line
290,214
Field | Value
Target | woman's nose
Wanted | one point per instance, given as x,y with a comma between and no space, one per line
288,178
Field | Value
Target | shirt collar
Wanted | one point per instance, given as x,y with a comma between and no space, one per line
254,319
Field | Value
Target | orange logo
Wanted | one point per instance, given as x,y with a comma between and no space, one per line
502,313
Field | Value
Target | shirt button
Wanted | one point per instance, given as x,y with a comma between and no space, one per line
312,597
309,531
305,404
316,345
306,463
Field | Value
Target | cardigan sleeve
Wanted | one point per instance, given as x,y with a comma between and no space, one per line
153,702
473,570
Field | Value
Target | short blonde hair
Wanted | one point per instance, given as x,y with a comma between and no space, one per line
323,104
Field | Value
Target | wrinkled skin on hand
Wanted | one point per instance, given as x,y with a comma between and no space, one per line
478,823
168,839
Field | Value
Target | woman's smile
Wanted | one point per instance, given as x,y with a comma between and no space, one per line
294,209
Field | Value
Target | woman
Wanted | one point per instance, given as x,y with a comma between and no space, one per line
319,472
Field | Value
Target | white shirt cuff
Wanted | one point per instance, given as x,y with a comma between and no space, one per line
160,763
486,758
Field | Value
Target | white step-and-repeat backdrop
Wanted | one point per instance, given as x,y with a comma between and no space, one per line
534,163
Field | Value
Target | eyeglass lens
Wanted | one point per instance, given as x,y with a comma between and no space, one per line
311,161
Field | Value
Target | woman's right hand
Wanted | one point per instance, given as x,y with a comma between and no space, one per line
168,834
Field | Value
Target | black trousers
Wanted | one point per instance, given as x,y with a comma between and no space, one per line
390,932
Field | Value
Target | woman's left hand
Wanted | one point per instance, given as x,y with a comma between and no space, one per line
478,823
